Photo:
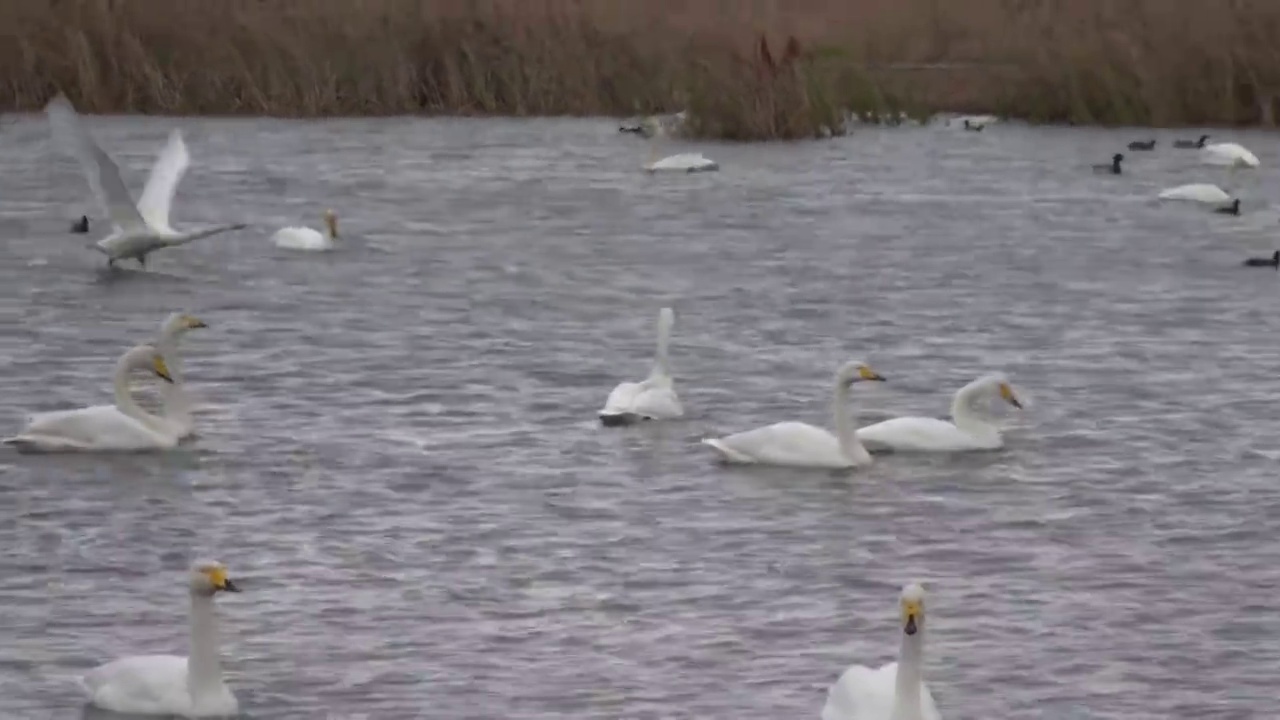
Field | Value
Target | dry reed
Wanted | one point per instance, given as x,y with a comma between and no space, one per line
745,69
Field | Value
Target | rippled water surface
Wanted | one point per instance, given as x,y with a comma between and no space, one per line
398,456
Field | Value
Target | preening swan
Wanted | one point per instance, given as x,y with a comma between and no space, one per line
896,691
968,429
1197,192
1229,155
797,444
653,398
304,238
138,229
177,418
170,684
122,426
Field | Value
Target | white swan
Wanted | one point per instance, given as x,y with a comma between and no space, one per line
304,238
968,429
176,401
683,162
653,398
138,229
895,691
122,426
170,684
1228,154
1197,192
797,444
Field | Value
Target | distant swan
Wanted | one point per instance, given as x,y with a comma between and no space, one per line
138,229
797,444
1190,144
176,400
967,429
1273,261
1113,168
973,126
304,238
1228,154
654,398
683,162
122,426
1232,209
81,226
1142,145
895,691
171,684
1197,192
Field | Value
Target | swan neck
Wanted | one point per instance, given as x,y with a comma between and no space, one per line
910,675
204,667
123,398
843,421
963,413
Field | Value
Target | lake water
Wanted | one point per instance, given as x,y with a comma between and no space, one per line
398,456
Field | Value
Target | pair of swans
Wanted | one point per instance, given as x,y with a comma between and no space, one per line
124,425
797,444
653,398
895,691
171,684
138,229
305,238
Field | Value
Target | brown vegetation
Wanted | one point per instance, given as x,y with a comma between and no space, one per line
745,69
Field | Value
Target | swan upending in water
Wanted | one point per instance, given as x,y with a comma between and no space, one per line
896,691
797,444
141,228
305,238
177,417
1229,155
968,429
653,398
122,426
172,684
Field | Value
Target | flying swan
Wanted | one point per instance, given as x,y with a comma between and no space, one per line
896,691
797,444
137,229
122,426
968,429
170,684
175,399
305,238
653,398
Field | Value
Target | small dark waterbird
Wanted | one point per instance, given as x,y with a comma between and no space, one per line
81,225
1112,168
1232,209
1191,143
973,126
1272,262
1142,145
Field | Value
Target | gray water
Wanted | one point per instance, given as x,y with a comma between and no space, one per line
398,457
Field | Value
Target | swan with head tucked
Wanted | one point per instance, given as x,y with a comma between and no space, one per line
968,429
797,444
176,401
895,691
138,229
690,162
122,426
305,238
1229,155
171,684
653,398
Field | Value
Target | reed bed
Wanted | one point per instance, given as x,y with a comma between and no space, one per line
744,69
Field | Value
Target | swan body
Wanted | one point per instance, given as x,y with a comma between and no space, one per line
175,399
653,398
1197,192
1228,154
190,687
683,162
140,229
967,429
305,238
122,426
797,444
895,691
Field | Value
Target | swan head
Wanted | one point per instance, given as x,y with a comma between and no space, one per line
180,322
147,357
209,577
1006,393
331,222
852,372
911,608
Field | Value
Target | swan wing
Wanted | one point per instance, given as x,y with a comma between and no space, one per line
659,403
140,685
622,398
100,170
919,434
786,443
157,196
865,694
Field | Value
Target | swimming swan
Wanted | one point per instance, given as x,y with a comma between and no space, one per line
304,238
1197,192
967,429
122,426
174,396
682,162
170,684
896,691
138,229
797,444
654,398
1228,154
